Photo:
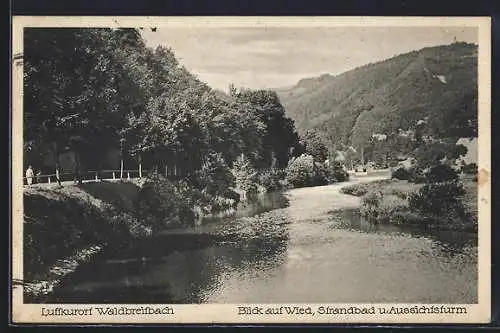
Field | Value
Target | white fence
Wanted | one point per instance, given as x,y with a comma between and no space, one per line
86,176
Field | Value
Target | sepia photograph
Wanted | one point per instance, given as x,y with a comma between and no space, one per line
264,170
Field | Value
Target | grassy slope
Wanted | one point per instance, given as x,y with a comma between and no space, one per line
61,220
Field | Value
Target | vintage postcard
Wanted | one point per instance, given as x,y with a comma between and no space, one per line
251,170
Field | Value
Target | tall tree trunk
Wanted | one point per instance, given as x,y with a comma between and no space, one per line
140,166
121,167
78,168
56,155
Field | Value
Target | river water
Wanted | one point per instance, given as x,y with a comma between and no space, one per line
293,250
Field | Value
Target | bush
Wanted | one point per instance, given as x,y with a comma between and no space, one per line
441,200
271,179
246,176
440,173
416,175
469,169
300,171
401,174
369,206
399,193
357,190
336,173
303,171
390,207
215,177
160,205
321,175
59,221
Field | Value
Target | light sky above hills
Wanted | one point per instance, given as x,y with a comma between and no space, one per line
280,56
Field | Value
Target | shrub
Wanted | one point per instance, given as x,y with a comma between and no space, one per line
441,200
401,174
271,179
370,204
416,175
336,173
407,217
300,171
321,175
357,190
303,171
389,207
469,169
160,205
440,173
246,176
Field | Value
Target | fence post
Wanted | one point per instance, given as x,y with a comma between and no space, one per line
113,175
140,170
96,176
48,179
128,175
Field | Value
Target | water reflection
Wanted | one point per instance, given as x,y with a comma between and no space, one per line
181,277
447,241
301,253
261,204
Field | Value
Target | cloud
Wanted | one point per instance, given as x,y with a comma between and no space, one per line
260,57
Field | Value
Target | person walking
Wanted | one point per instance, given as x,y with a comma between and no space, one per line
29,175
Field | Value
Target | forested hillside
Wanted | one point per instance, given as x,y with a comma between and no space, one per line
436,85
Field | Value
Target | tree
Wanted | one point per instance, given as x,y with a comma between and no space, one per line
245,175
172,136
433,153
76,86
314,145
300,171
214,177
280,133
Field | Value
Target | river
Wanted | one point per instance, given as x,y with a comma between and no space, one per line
293,250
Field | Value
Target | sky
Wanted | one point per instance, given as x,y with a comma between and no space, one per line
272,57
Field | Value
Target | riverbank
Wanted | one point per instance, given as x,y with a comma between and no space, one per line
298,253
65,226
388,201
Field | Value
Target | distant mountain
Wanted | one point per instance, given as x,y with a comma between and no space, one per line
436,83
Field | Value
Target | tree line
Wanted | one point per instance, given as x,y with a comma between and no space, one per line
93,89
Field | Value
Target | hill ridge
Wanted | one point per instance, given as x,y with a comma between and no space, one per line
437,82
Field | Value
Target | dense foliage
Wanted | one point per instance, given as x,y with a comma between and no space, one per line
440,201
272,179
61,220
443,205
246,176
401,174
441,173
304,171
160,206
300,172
92,90
438,84
470,168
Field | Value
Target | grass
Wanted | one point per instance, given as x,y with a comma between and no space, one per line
62,219
386,201
399,188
